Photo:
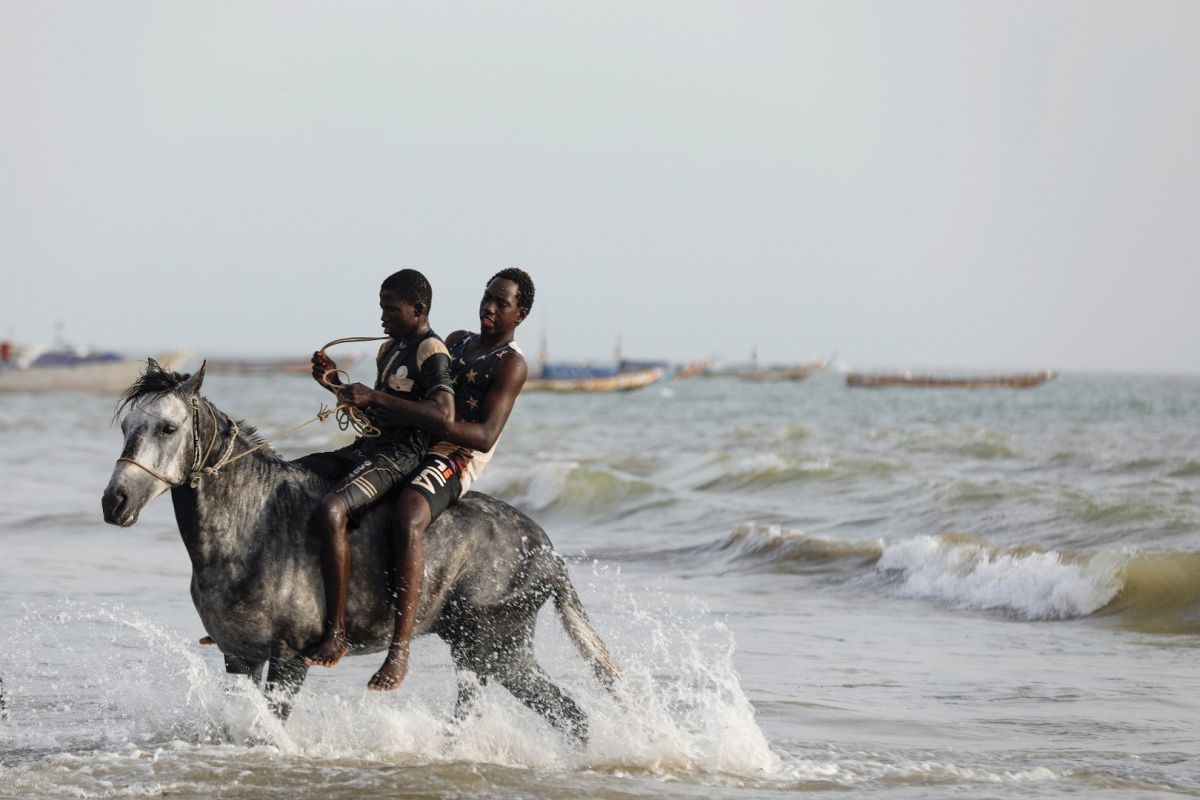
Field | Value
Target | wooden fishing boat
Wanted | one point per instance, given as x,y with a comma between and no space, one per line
614,382
765,374
693,369
778,373
67,371
1026,380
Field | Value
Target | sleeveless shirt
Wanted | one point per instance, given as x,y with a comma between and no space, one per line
473,379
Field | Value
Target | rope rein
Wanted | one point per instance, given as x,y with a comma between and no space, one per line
348,417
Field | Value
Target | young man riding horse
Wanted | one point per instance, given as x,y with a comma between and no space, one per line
414,377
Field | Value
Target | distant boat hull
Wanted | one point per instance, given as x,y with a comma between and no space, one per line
618,382
1021,381
797,372
106,376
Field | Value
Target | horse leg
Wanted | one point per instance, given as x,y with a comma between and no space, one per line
285,676
530,684
240,665
471,679
518,671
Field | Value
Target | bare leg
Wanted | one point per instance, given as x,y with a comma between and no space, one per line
412,518
335,568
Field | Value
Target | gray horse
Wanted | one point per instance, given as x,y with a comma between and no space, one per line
247,524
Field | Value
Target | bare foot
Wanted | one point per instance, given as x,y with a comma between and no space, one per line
329,651
391,674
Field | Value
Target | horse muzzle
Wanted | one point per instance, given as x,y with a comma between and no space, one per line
117,508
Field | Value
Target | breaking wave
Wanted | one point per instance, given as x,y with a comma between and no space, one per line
1147,591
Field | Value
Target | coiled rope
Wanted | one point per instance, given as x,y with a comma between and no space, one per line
349,416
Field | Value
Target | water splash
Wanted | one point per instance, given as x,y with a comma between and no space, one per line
107,688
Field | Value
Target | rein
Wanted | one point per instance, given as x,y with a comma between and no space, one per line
349,416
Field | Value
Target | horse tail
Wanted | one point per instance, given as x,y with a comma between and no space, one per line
579,629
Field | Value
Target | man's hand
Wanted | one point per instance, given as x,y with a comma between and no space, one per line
324,370
356,394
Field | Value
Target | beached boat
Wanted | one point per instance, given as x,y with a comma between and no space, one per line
71,371
612,381
1026,380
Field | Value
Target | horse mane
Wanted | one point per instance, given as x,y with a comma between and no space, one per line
156,382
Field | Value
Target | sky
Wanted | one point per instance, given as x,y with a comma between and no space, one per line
905,184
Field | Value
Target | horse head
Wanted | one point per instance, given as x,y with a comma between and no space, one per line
162,442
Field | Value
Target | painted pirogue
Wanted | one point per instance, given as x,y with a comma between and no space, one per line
1022,381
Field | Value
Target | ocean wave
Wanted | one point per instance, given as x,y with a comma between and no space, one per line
776,549
1145,591
1188,469
1026,581
1160,593
972,443
765,470
572,487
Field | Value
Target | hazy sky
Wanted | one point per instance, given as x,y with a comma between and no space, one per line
957,184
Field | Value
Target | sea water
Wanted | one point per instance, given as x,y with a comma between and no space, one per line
809,588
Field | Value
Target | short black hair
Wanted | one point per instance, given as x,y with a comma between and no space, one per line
524,285
411,286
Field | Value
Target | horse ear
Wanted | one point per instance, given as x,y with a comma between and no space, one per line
153,366
192,385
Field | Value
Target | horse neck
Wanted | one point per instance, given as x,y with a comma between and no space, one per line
219,518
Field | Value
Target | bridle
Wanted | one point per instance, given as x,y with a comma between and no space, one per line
198,469
347,416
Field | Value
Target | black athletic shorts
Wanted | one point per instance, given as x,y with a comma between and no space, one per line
436,479
363,477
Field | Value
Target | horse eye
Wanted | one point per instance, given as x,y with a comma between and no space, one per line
168,428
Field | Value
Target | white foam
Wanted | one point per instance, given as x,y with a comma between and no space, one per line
109,680
1037,585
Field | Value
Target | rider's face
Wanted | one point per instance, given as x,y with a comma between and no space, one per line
498,311
399,317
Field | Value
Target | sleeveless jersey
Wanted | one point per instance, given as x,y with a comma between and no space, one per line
473,379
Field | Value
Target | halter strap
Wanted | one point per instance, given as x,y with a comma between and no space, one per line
198,469
144,468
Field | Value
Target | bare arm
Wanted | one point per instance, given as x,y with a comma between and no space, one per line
497,405
434,414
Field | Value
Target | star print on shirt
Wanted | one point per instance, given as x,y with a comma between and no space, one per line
473,404
471,376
